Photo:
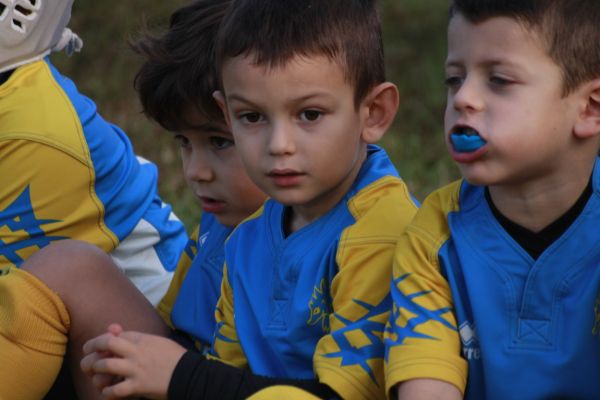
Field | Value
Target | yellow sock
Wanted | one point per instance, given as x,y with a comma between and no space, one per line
34,324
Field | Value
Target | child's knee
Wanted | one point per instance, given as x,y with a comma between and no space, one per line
68,265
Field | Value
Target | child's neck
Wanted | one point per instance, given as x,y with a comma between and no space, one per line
535,207
294,221
535,243
298,216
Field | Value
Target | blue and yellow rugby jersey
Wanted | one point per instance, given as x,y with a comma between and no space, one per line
67,173
315,303
165,306
463,289
190,302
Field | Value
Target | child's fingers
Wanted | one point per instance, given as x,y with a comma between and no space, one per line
92,345
132,336
101,381
120,390
87,362
113,366
115,329
116,345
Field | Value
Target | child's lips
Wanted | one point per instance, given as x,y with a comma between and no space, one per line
211,205
468,157
285,177
466,144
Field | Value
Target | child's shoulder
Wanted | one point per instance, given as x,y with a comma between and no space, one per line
431,220
378,182
379,202
34,87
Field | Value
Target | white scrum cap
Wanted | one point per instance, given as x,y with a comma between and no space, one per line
31,29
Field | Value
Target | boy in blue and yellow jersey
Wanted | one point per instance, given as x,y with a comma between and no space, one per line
175,85
304,298
65,171
499,274
59,300
179,68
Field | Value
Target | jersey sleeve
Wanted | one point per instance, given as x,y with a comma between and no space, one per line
47,195
422,339
185,262
350,358
226,344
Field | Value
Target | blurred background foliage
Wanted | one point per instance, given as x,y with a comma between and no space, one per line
415,42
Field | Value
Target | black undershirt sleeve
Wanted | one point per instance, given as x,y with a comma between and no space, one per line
196,377
5,75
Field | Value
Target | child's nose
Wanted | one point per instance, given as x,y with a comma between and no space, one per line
281,140
199,169
467,97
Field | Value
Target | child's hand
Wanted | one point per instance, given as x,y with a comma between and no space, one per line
144,362
102,380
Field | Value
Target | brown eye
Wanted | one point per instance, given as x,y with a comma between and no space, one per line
251,117
183,141
310,115
220,143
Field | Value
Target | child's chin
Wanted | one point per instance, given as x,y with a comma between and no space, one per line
475,179
227,220
476,182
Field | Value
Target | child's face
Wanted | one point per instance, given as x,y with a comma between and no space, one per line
297,130
214,171
503,86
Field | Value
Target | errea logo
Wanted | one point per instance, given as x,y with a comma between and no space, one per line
203,239
470,343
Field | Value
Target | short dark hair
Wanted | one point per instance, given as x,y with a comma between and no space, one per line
275,31
570,30
179,73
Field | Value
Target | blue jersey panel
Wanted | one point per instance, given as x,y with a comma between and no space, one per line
273,290
529,328
125,184
194,308
120,179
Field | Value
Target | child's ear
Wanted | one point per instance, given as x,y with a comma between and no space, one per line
380,107
220,99
588,124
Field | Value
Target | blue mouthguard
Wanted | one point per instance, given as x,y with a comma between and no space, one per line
466,143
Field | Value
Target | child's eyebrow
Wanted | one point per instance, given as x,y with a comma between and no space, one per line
314,95
299,99
452,63
489,63
237,97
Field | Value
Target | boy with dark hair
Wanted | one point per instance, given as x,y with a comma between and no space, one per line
304,293
500,271
176,86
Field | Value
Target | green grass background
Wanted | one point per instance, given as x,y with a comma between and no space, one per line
415,46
